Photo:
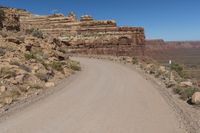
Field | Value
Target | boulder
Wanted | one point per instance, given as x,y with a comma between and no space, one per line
8,100
49,84
162,69
186,84
196,98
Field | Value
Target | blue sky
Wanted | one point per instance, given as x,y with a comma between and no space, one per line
167,19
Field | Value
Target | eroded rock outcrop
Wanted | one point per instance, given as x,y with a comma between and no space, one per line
88,36
9,19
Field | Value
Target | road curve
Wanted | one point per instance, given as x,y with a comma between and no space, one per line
104,98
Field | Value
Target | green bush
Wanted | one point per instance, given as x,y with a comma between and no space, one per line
185,93
29,31
56,65
29,56
34,32
134,60
74,65
37,33
179,69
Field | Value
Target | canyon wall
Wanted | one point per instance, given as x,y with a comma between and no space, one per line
87,35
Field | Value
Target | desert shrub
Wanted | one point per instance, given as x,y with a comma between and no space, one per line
29,56
135,60
37,55
34,32
29,31
56,65
8,72
37,52
74,65
179,69
2,52
37,33
42,76
185,93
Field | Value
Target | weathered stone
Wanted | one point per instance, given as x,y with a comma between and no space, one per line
196,98
11,20
162,69
170,84
8,100
3,88
186,84
88,36
49,84
20,78
13,40
1,105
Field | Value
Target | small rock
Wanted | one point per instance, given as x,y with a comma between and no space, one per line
3,88
129,60
20,78
8,100
170,84
49,84
162,69
196,98
1,105
186,84
14,82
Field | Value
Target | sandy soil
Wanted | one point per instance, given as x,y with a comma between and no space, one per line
105,97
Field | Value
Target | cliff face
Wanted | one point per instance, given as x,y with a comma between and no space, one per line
9,19
86,33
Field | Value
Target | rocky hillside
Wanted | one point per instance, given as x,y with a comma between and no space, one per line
30,61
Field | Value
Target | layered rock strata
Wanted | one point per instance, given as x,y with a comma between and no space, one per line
87,35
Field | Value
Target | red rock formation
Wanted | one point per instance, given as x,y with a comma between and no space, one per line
87,35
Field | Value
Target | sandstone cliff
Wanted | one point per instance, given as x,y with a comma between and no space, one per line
29,60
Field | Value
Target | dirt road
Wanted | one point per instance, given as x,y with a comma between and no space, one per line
103,98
